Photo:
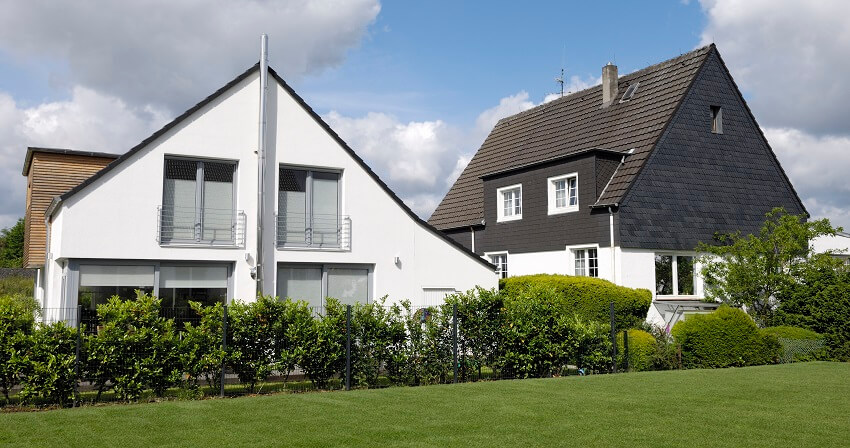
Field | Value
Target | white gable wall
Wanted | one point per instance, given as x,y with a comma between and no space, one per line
116,216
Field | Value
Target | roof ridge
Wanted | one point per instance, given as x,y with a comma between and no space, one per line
597,86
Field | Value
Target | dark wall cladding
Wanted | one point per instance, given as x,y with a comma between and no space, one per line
16,272
462,236
538,231
696,182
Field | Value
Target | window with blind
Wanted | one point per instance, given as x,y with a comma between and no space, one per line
308,208
100,282
198,202
313,283
180,284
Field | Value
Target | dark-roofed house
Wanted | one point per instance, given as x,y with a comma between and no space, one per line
621,181
247,192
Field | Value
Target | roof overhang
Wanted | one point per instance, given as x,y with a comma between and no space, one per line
564,157
34,149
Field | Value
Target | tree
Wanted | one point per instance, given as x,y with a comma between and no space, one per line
12,245
756,271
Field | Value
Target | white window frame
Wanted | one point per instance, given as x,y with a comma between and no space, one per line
553,204
500,204
675,268
489,257
571,250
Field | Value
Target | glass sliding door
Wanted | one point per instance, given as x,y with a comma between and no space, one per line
313,283
180,284
100,282
301,283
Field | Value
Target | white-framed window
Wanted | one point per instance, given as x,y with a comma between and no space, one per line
675,275
563,193
586,262
509,203
500,259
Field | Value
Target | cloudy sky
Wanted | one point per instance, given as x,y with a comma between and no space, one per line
414,87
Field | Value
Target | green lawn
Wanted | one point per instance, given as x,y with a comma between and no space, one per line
775,406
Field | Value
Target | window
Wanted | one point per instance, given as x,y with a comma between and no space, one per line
509,203
198,202
630,91
674,275
308,208
313,283
180,284
563,193
501,262
716,119
586,262
100,282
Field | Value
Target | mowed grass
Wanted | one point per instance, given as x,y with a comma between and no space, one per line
784,405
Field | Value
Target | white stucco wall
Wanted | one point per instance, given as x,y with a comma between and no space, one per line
116,216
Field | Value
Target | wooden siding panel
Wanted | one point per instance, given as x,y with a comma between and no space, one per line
51,175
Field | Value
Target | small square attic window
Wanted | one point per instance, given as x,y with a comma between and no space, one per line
630,91
716,119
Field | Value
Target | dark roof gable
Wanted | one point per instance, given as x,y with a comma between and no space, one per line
574,123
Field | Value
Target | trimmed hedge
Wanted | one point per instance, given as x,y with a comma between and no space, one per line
789,332
727,337
642,349
587,297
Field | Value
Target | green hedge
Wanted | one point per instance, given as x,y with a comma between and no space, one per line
587,297
642,349
789,332
727,337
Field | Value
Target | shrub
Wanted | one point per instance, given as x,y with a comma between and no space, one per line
642,350
727,337
373,332
420,351
798,344
479,320
134,349
789,332
17,321
324,345
48,366
17,285
201,354
587,297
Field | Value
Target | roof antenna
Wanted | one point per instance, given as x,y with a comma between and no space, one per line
560,79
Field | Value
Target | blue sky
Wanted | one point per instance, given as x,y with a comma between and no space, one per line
413,87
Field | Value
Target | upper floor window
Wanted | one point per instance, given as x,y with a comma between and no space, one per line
509,203
198,202
309,209
586,262
501,262
563,193
717,119
674,275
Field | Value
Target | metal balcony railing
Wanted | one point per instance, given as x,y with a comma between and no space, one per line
300,230
189,226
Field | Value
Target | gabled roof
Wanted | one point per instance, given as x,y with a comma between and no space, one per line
255,68
575,123
72,152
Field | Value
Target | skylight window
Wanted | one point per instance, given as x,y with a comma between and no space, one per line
629,92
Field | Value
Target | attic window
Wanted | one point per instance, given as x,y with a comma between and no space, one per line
716,120
629,92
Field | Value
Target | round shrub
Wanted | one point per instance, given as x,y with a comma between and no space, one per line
727,337
642,348
587,297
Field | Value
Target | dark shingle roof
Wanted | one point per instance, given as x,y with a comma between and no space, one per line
576,122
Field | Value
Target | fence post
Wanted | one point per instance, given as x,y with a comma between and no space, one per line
223,347
454,339
613,339
348,347
77,358
626,350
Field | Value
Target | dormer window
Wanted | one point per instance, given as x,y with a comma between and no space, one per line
716,119
563,193
509,203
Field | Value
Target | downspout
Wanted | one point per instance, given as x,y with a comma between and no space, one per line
472,231
613,252
46,281
261,158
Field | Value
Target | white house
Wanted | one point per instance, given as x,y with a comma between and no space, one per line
185,216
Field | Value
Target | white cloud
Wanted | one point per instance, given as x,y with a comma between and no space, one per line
87,121
420,160
790,57
174,53
818,168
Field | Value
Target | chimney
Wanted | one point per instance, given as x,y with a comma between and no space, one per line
609,84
